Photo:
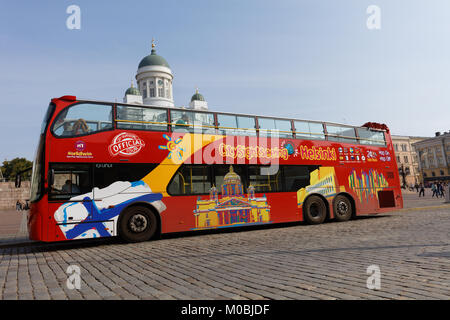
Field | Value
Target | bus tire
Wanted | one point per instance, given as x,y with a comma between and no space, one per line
314,210
342,208
137,224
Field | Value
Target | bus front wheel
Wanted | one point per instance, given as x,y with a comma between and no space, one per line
137,224
314,210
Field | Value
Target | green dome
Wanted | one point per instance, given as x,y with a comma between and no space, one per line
153,60
133,91
198,97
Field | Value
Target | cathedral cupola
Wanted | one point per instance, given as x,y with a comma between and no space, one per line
154,78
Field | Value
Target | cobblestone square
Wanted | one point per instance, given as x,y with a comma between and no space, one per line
410,247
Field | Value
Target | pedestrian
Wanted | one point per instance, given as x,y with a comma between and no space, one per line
417,187
18,205
441,189
434,190
422,190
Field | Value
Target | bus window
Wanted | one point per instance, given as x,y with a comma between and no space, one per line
192,121
70,180
297,177
371,137
82,119
236,125
264,179
309,130
274,127
191,179
139,118
341,133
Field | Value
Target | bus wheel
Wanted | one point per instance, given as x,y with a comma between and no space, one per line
342,208
137,224
314,210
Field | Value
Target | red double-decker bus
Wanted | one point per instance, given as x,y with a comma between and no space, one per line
105,169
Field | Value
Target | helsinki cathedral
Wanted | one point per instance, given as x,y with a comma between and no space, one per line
154,80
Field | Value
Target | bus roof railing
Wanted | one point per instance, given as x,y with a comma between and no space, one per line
371,125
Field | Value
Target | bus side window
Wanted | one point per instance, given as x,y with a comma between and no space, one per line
297,177
341,133
264,179
70,180
83,118
141,118
236,125
191,179
274,127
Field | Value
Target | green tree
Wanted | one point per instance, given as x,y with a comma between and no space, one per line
14,166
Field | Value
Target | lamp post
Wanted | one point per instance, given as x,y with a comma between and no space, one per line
402,172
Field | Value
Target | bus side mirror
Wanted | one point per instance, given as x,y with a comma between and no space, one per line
18,181
51,177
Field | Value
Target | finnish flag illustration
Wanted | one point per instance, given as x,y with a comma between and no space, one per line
95,214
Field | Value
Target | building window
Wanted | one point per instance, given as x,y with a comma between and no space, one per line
406,159
442,172
161,92
396,147
152,92
433,174
404,147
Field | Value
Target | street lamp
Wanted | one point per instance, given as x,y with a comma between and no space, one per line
402,173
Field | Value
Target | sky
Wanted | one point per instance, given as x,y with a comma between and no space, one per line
314,60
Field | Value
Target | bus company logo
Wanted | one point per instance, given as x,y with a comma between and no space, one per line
126,144
80,145
80,151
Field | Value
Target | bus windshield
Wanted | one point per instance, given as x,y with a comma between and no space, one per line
36,177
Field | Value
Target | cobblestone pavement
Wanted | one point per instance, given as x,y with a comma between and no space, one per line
329,261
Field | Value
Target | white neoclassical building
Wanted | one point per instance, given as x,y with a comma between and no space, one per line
154,80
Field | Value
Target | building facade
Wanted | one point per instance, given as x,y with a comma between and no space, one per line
407,159
434,158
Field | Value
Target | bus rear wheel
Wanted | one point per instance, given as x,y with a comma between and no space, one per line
342,208
314,210
137,224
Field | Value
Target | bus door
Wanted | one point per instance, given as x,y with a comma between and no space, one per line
70,194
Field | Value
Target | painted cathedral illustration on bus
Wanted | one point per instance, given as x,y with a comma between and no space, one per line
232,208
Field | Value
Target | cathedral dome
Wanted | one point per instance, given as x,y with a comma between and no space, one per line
153,60
197,97
133,91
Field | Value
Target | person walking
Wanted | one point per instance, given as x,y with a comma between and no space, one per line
434,190
422,190
441,189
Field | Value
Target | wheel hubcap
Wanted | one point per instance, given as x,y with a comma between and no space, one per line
314,210
138,223
342,208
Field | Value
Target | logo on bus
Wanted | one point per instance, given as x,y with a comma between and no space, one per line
126,144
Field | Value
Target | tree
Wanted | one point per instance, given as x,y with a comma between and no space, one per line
16,165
